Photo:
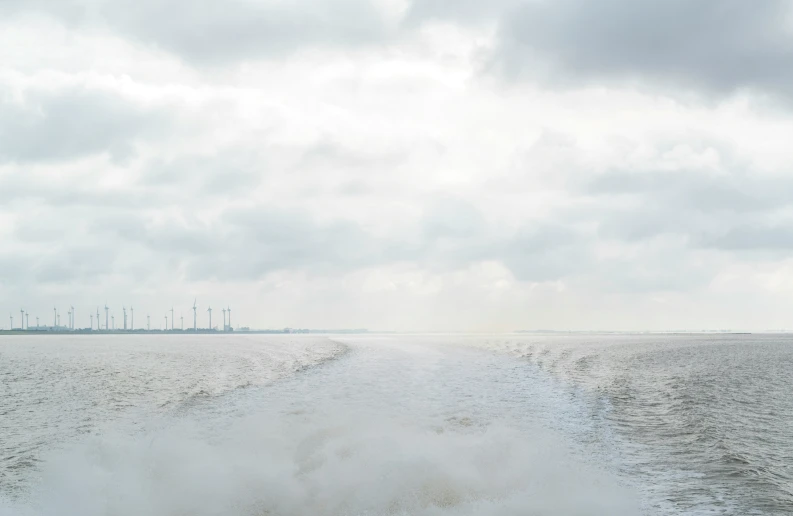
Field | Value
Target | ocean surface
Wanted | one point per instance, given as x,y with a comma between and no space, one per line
288,425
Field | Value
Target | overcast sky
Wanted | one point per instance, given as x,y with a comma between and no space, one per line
400,164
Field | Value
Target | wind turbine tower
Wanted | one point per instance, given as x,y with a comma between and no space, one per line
21,319
195,328
166,322
172,317
125,317
37,322
92,322
131,318
72,321
182,318
210,317
12,321
107,312
148,322
229,310
97,319
224,319
27,321
113,321
55,317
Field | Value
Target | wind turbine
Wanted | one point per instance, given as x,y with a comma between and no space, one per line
125,317
195,328
97,319
69,322
37,322
27,320
224,319
12,321
107,311
172,318
72,321
166,322
182,319
131,318
229,310
113,320
210,317
55,317
148,322
21,319
92,322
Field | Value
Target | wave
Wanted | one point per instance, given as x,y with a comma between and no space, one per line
83,385
282,360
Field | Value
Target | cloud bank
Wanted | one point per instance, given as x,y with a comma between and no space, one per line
423,165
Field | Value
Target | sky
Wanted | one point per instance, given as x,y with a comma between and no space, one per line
407,165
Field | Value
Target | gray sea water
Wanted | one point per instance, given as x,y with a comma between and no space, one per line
376,425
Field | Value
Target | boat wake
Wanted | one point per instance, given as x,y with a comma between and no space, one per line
387,429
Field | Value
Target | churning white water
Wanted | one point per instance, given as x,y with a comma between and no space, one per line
293,426
391,425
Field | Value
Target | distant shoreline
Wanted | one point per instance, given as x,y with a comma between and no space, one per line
199,331
291,331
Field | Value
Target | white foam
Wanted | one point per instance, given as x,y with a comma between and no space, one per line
321,465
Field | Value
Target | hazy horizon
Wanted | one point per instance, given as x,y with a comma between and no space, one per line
399,164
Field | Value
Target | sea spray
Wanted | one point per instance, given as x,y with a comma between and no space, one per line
344,464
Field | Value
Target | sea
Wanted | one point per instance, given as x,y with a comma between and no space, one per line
288,425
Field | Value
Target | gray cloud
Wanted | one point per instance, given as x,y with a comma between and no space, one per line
249,243
84,263
327,153
209,32
704,191
468,11
666,268
721,46
228,172
245,243
756,236
49,189
452,218
548,252
71,11
56,249
72,123
259,240
731,209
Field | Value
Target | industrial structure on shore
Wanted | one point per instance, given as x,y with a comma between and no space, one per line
127,326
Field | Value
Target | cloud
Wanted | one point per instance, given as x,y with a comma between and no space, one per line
712,192
720,47
233,171
246,244
547,252
709,208
467,11
352,153
46,125
74,263
250,243
206,32
754,237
